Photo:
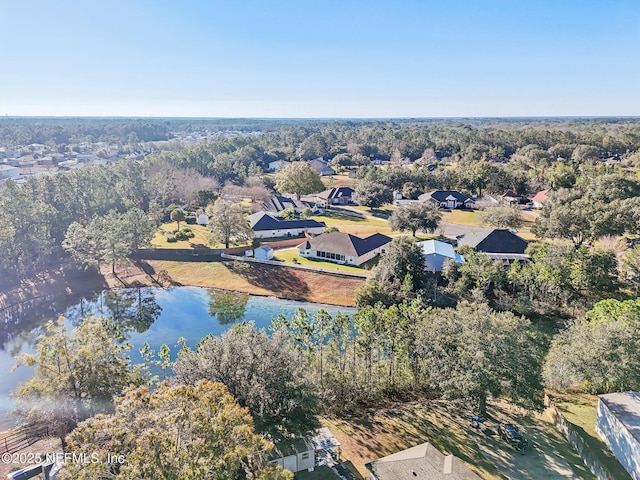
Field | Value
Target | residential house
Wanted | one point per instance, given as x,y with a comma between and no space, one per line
344,248
420,462
277,165
333,196
277,203
321,166
267,225
510,197
539,198
436,253
295,455
448,199
265,252
499,244
618,425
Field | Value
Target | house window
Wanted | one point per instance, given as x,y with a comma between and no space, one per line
304,456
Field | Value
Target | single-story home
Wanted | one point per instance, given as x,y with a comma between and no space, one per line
510,197
436,253
448,199
499,244
423,461
277,165
333,196
267,225
265,252
344,248
278,203
618,425
539,198
321,166
295,455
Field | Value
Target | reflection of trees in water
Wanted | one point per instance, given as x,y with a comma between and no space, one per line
229,307
124,310
133,309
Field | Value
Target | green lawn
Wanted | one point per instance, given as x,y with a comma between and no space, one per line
319,473
359,226
580,410
288,254
201,239
463,217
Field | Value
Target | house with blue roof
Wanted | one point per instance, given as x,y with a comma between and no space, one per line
436,253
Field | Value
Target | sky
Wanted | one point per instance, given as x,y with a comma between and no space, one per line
320,58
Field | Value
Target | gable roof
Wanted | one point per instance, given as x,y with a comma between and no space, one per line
278,203
498,240
442,195
345,243
511,194
439,248
336,192
540,196
262,221
423,462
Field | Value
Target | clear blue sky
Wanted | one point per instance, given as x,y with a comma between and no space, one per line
320,58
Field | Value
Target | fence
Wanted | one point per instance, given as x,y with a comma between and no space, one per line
576,440
178,254
294,265
22,437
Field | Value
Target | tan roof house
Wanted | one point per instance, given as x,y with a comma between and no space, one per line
421,461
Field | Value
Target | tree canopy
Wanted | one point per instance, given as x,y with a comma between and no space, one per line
418,216
298,178
174,432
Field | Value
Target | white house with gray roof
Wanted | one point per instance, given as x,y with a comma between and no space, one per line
266,225
344,248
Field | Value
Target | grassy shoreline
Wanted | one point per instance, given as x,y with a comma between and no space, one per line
254,279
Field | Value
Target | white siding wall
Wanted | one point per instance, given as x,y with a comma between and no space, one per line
619,440
294,232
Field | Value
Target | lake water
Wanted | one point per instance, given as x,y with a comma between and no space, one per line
155,316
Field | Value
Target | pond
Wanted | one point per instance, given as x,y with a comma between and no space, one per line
154,316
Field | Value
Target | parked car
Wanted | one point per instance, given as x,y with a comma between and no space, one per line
511,433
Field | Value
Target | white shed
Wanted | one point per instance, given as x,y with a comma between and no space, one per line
202,219
265,252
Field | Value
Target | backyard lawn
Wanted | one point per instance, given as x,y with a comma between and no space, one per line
445,424
319,473
201,239
360,226
288,254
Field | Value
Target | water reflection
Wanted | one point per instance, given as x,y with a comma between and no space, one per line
228,307
131,310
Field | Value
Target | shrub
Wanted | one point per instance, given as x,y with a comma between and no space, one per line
171,238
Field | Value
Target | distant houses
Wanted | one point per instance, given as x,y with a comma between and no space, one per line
436,253
267,225
420,462
344,248
499,244
448,199
277,165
